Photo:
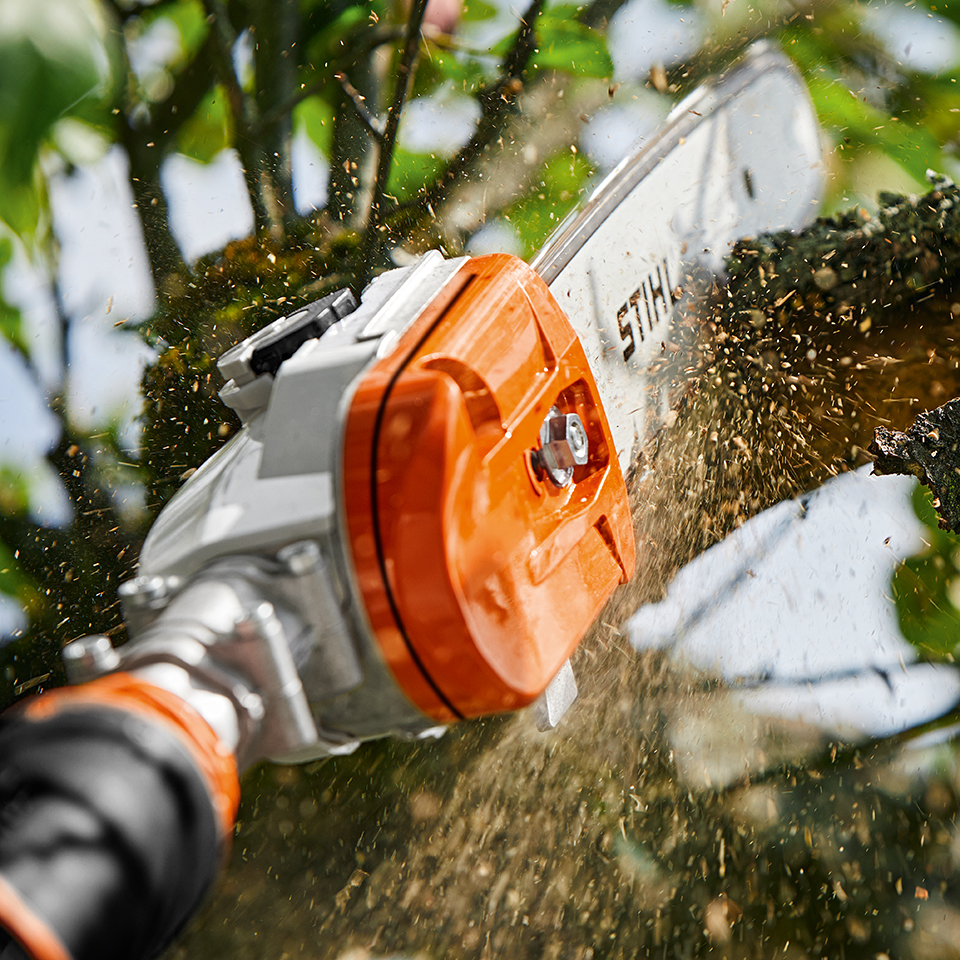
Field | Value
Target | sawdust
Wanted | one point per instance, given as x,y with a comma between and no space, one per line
600,839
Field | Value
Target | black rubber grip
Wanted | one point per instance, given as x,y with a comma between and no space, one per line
107,830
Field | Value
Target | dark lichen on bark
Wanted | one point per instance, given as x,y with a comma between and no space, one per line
855,264
928,450
857,270
226,297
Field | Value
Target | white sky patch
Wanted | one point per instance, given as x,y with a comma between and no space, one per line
105,374
875,704
101,245
208,202
104,278
441,123
310,174
27,428
12,619
795,593
617,130
498,236
25,287
797,603
645,32
154,49
917,38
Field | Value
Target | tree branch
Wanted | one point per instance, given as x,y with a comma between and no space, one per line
267,213
496,102
375,38
372,240
146,147
275,31
599,13
372,123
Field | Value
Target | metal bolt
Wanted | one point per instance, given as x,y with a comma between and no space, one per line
89,657
301,558
149,593
563,446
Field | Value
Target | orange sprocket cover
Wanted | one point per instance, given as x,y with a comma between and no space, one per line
480,576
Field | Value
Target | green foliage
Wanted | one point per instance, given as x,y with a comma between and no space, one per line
54,54
315,117
566,44
557,188
914,148
15,501
209,130
926,588
870,102
410,171
465,69
338,28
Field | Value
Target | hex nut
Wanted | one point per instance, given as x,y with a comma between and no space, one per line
563,445
89,657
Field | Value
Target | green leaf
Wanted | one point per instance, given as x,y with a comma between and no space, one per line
54,55
916,149
339,33
13,581
14,493
410,171
20,206
209,129
466,71
567,45
926,586
475,11
934,104
315,116
559,183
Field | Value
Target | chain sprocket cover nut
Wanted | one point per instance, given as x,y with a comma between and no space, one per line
563,446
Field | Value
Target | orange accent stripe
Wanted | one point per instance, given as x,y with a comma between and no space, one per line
123,691
29,930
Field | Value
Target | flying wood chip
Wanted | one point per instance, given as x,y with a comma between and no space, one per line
928,451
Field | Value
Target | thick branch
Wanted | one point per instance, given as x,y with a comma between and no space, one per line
163,253
267,213
275,31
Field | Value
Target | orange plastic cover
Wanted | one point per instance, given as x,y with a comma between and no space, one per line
479,577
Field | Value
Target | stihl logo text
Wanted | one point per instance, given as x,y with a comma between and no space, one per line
649,306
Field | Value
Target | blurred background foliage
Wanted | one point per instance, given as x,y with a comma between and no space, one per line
926,587
460,123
